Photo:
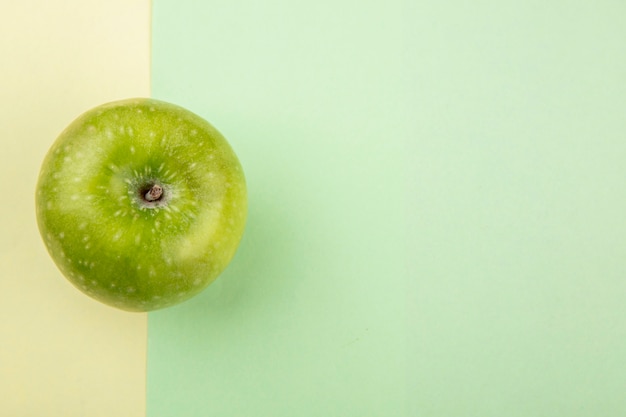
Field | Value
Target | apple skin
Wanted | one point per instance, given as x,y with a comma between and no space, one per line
111,242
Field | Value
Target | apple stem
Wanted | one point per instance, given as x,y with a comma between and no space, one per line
155,192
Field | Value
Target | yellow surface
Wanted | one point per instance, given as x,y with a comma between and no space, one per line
61,354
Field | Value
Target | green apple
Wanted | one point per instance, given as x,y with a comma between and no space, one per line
141,203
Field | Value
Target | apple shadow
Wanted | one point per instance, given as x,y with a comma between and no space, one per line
264,278
257,264
258,275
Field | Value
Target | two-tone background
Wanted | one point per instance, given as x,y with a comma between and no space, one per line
437,209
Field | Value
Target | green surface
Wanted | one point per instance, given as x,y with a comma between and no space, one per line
436,210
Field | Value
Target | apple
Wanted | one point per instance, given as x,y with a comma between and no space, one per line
141,203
